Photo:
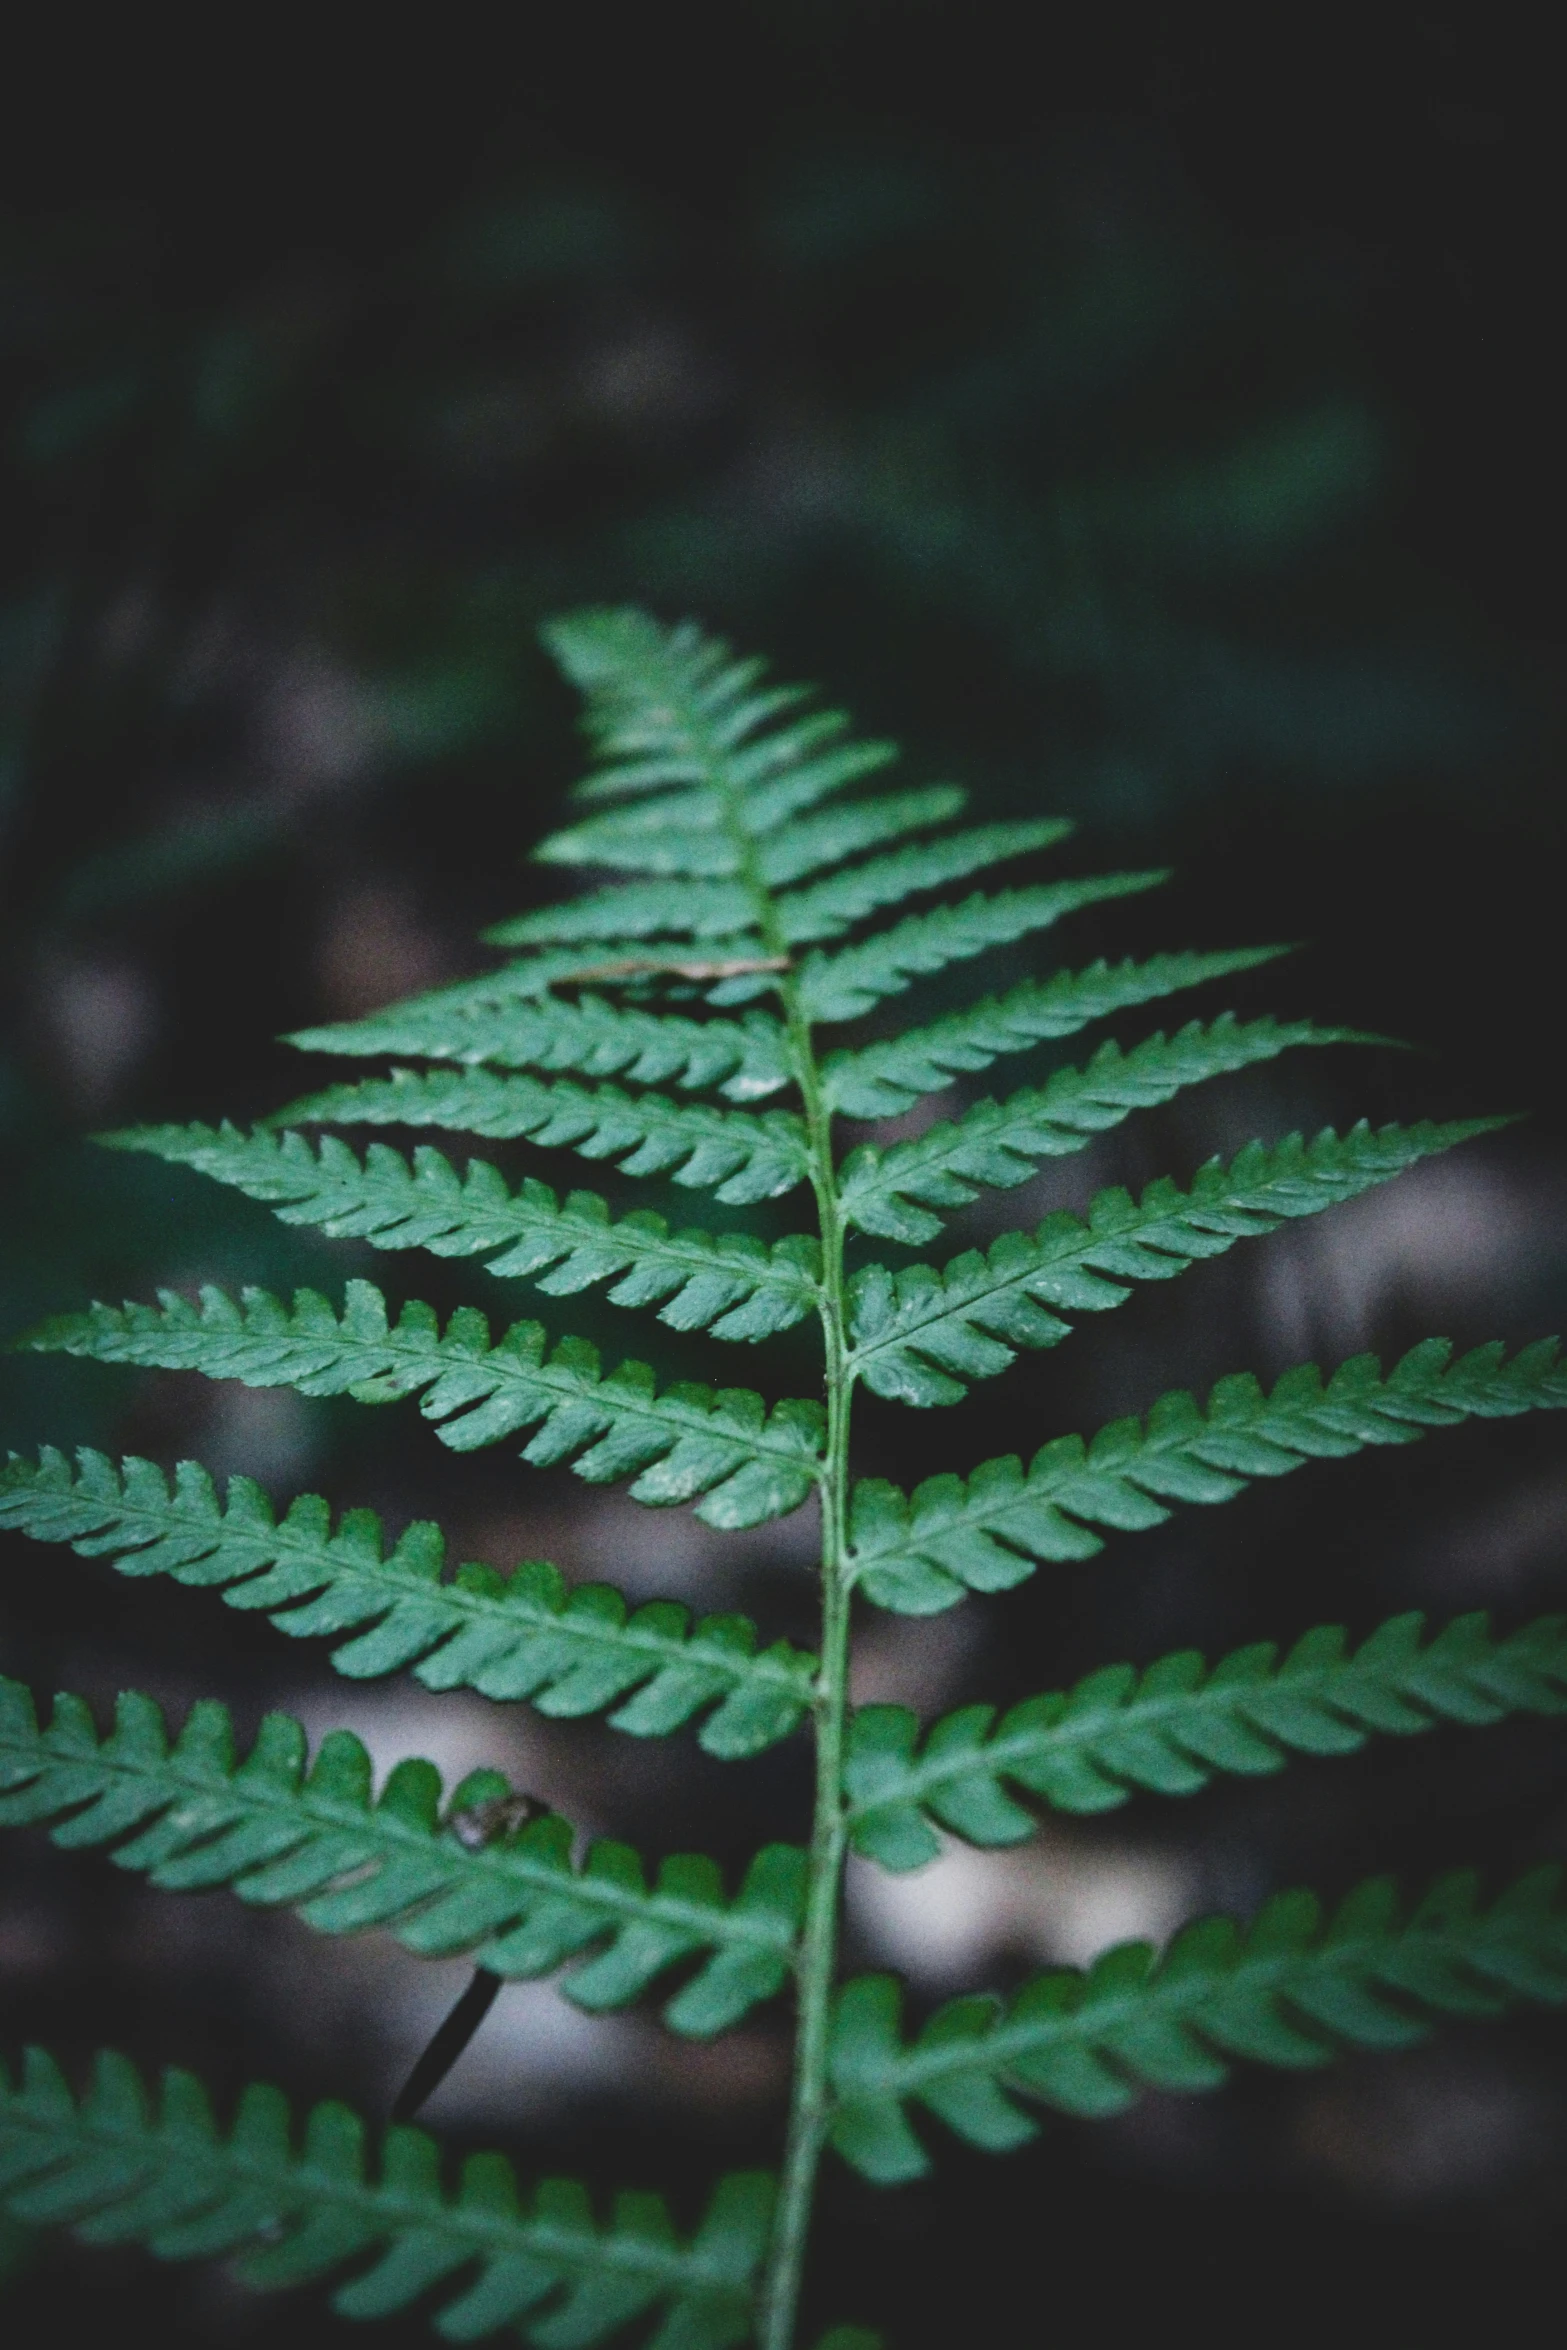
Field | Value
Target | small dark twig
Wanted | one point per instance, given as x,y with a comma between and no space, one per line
476,1825
447,2045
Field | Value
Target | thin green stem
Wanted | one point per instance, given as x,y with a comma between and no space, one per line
816,1960
809,2110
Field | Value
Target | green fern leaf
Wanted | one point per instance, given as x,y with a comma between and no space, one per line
120,2171
635,910
745,1059
735,1288
748,1463
1000,1144
823,842
916,1554
717,909
828,908
884,1079
191,1817
855,979
919,1335
526,1635
741,1155
1170,1728
1289,1991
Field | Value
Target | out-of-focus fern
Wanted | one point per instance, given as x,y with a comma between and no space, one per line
773,894
194,1817
1168,1729
1288,1990
124,2171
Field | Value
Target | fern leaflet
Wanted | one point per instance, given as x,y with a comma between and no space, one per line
524,1635
716,909
120,2171
635,910
274,1835
829,908
820,843
1170,1728
733,1287
739,1155
1000,1143
919,1335
748,1463
1289,1990
844,985
917,1554
745,1059
884,1079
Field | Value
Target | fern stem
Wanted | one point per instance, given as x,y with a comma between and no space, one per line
809,2101
809,2105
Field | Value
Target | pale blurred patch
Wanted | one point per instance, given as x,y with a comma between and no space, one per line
535,2052
320,724
99,1018
917,1661
1053,1901
374,948
647,1553
268,1433
1438,1243
457,1730
1435,2125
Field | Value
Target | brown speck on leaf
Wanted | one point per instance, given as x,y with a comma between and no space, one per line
485,1823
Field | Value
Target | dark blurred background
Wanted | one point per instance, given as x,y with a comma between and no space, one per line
1158,423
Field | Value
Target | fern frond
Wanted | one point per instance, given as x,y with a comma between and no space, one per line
119,2170
748,1463
1289,1990
745,1059
916,1554
854,980
525,1635
828,908
884,1079
920,1334
821,843
1169,1729
192,1817
634,910
717,909
741,1155
1000,1144
731,1286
